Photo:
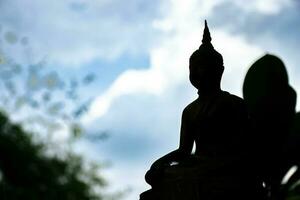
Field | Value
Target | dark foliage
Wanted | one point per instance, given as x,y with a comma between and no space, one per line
28,172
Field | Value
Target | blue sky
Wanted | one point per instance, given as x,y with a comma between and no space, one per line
139,52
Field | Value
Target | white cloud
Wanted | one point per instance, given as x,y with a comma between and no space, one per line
129,82
72,33
268,7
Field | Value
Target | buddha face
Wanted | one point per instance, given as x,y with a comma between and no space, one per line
204,76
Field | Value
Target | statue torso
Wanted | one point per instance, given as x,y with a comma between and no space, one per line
218,124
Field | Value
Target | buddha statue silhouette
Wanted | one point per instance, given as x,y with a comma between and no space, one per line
217,123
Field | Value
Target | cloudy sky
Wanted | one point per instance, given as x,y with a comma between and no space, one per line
139,51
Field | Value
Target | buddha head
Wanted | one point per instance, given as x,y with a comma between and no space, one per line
206,65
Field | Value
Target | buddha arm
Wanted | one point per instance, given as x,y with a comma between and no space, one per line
185,145
186,137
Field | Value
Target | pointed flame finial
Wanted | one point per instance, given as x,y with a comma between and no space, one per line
206,34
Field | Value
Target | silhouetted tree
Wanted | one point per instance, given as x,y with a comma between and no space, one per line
28,172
